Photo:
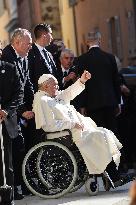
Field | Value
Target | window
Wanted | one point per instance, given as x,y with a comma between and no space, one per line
131,35
115,40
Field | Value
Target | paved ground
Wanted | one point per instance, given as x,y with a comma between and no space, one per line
114,197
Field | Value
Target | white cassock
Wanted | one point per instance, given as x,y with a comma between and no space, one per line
98,146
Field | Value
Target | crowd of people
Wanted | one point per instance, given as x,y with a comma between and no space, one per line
22,64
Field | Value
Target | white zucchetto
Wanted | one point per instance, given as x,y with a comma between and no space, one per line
45,77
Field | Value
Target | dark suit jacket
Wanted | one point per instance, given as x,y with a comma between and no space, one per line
103,90
11,95
60,77
37,66
9,55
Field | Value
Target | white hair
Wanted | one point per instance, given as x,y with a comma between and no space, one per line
19,33
94,35
66,50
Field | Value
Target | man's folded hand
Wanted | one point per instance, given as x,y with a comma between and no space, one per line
28,115
3,115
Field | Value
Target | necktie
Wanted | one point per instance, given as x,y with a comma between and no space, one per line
20,61
45,54
49,61
65,74
21,68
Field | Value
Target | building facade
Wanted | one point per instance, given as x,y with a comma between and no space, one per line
115,19
26,14
68,25
33,12
29,13
4,19
8,20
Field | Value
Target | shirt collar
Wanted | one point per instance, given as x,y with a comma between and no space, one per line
40,47
42,92
94,46
64,70
18,56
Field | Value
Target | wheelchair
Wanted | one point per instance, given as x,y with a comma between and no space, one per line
55,167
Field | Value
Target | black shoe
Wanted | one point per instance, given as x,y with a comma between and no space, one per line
18,196
123,180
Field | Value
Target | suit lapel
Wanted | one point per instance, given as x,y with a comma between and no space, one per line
50,61
20,65
39,56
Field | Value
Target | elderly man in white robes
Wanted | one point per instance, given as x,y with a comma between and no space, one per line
53,112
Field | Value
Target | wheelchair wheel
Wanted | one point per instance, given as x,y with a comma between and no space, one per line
82,172
79,183
49,170
91,186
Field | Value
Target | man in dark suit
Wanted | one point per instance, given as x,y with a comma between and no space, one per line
11,97
102,97
0,49
103,92
67,71
16,53
40,61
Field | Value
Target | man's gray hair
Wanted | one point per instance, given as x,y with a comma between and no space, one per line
94,35
19,33
66,51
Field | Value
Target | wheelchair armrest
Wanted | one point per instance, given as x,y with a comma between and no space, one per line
69,131
57,134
